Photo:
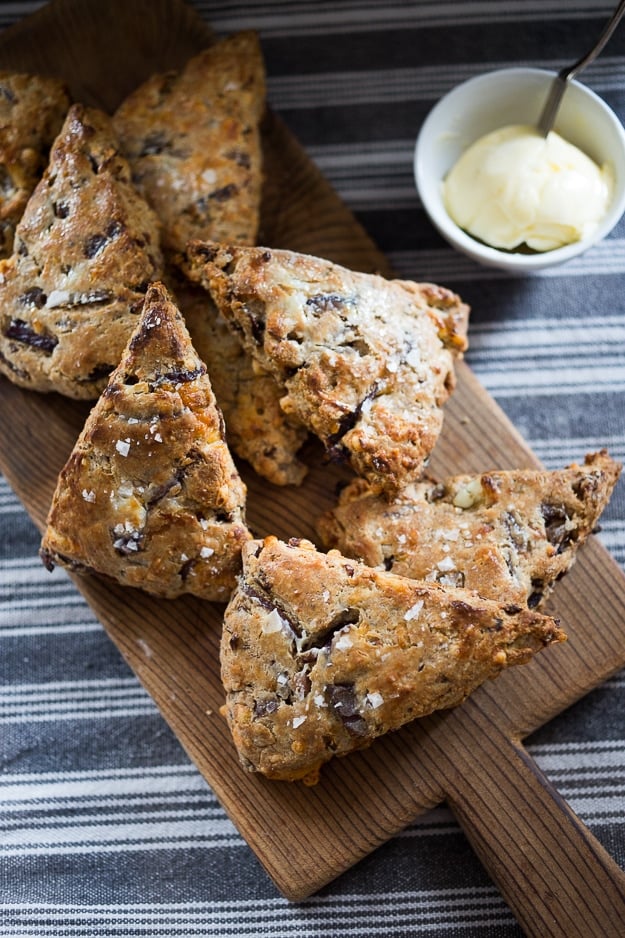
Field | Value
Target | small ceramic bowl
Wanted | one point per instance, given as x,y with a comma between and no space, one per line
514,96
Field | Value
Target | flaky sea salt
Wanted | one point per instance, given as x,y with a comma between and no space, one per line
414,611
446,564
272,622
123,447
343,643
414,358
57,298
206,552
125,544
297,721
374,699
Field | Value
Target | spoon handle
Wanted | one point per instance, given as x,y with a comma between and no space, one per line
585,60
550,108
558,85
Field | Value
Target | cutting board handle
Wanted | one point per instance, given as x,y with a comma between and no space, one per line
554,874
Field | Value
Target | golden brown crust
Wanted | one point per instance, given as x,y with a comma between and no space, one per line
193,141
509,534
366,363
320,654
32,111
150,495
257,429
85,250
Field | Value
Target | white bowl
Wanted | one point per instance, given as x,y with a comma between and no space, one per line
514,96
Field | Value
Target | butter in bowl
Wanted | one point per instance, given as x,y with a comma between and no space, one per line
500,192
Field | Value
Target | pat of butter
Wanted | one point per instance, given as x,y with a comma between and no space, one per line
514,187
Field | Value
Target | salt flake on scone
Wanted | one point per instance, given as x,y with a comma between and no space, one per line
320,654
366,363
150,495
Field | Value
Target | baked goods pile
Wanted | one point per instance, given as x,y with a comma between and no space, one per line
133,278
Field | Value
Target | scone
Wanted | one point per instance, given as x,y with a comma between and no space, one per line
366,363
507,533
85,251
150,495
32,111
321,654
193,141
257,429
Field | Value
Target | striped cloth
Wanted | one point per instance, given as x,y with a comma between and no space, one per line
106,829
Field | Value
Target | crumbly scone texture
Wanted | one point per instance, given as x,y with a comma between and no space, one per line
194,144
321,654
502,533
366,363
257,429
85,251
32,111
150,495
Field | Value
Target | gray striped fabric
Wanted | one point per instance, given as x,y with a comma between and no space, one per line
106,829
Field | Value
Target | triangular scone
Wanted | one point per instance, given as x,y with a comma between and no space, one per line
366,363
511,533
320,654
193,141
32,111
257,429
85,251
150,494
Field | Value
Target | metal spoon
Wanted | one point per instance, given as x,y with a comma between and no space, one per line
558,86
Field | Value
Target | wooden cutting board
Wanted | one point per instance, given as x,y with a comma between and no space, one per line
553,873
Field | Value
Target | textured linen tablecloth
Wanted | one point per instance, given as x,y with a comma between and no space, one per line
106,828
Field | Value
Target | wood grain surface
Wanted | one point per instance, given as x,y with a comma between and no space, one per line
554,874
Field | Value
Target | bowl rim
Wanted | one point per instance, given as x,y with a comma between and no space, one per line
466,243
